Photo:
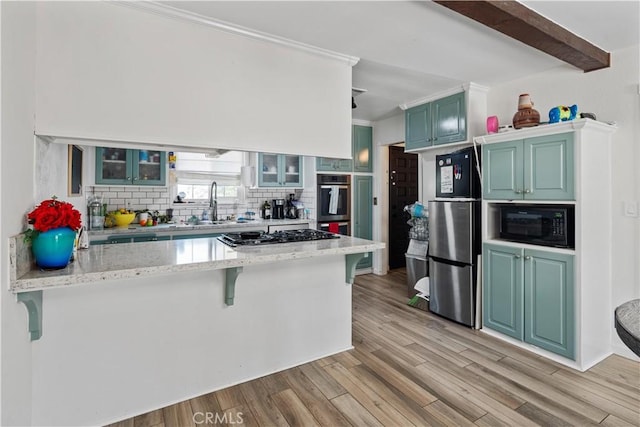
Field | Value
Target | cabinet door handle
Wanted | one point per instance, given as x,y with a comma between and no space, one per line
528,191
527,258
518,191
516,256
428,139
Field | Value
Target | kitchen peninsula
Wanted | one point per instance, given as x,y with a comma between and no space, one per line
179,318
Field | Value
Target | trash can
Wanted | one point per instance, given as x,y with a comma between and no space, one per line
417,265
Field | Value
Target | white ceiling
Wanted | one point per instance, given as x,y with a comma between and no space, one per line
412,49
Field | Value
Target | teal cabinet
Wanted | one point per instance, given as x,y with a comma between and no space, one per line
363,213
449,119
502,291
442,121
539,168
150,238
529,295
362,148
549,301
195,236
119,166
130,239
503,170
326,164
417,121
361,151
279,170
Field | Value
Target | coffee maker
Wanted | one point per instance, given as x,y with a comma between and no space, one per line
277,209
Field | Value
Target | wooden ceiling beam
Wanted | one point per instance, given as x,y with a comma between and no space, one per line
521,23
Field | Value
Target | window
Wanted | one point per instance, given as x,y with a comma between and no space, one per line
194,173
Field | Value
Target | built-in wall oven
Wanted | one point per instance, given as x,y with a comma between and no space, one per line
334,203
343,227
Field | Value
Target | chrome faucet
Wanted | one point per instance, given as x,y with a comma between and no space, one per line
213,201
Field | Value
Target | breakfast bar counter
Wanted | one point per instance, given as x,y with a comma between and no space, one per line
129,260
150,324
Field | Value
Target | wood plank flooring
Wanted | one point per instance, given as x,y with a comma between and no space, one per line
410,367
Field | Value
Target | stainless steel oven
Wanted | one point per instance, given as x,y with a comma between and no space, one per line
334,198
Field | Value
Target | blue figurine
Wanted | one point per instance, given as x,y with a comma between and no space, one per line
563,113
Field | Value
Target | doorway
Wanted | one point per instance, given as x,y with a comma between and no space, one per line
403,191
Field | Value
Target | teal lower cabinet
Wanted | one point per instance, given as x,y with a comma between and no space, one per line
502,289
363,213
119,239
549,301
150,238
195,236
528,294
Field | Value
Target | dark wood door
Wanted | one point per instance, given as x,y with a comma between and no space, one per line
403,191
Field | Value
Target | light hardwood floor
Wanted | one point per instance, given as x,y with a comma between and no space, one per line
410,367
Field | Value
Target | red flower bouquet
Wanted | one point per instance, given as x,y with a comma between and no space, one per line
51,214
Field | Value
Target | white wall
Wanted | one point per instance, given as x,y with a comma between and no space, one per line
613,95
51,175
120,348
16,199
385,132
112,72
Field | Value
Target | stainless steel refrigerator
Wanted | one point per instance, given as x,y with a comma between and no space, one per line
454,246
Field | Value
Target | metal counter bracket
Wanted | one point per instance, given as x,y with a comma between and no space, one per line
33,301
231,275
352,261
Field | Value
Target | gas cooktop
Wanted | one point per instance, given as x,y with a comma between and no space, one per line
250,238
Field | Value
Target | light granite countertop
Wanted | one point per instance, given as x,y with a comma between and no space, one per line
112,262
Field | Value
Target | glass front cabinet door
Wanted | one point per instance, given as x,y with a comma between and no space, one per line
120,166
279,170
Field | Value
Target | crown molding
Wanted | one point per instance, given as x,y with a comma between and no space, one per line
361,122
466,87
175,13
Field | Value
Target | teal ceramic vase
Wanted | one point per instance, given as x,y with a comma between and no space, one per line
52,248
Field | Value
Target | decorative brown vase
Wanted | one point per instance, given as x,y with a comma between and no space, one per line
526,115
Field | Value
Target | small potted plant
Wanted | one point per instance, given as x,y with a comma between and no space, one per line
54,224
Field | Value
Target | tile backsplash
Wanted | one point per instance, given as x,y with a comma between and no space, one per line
159,198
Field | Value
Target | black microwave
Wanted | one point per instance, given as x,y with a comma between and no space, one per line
547,225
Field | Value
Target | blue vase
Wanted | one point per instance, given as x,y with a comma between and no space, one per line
53,248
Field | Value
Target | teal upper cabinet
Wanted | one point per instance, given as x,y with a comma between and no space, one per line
279,170
449,119
120,166
361,150
326,164
363,212
539,168
528,295
549,172
503,172
442,121
418,127
362,147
